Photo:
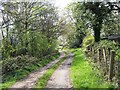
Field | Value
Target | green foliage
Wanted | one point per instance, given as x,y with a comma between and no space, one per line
21,51
106,44
100,12
82,75
34,43
7,49
75,43
94,15
31,29
80,24
38,44
110,26
20,62
88,41
117,54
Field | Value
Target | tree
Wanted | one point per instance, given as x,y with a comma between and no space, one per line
80,22
100,12
110,26
21,23
92,16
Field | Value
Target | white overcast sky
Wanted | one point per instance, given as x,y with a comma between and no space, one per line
62,3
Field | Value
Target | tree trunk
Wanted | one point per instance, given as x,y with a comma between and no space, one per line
97,34
97,28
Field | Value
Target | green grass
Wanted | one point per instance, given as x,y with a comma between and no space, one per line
42,82
82,75
22,73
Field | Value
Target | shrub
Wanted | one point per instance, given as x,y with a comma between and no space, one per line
107,44
88,41
6,49
24,62
20,62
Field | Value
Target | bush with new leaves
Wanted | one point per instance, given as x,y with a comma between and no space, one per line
88,41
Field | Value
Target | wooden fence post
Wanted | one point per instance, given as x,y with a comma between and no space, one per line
104,56
105,59
90,51
87,51
118,74
93,54
109,49
111,68
98,56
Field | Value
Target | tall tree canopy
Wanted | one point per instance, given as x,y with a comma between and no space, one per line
28,28
100,11
97,18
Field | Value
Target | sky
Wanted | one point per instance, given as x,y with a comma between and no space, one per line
62,3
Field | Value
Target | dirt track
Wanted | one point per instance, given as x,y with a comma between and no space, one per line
60,78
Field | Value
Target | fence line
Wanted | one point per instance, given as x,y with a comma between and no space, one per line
104,59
